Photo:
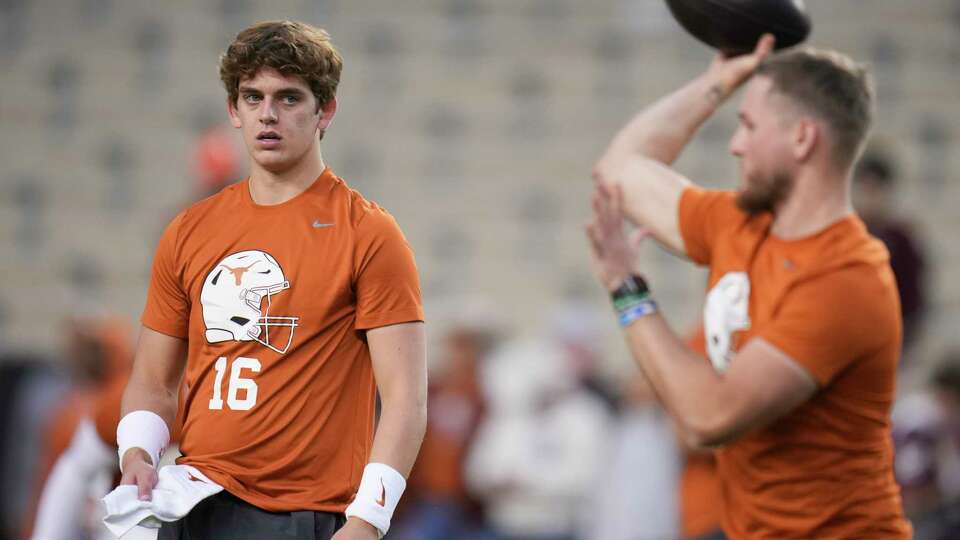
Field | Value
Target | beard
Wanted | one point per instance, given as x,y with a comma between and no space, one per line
764,192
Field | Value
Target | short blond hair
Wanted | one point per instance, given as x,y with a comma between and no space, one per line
832,87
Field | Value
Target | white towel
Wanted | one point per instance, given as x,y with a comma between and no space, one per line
178,490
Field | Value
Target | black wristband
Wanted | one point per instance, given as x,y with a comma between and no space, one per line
632,291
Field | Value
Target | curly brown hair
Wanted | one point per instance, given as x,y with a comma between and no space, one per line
291,48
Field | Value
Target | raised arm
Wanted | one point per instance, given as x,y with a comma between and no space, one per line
151,395
639,157
709,408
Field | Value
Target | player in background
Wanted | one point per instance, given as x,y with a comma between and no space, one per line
99,352
875,183
87,469
802,314
284,303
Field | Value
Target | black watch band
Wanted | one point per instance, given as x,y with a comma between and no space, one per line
633,288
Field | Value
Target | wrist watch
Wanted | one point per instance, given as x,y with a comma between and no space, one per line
633,285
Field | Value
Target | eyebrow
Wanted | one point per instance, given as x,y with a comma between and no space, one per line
283,91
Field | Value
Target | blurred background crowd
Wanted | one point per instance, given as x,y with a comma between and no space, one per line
475,122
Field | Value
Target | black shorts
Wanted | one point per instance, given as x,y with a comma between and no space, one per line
225,517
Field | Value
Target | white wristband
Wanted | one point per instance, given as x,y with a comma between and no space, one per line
377,498
144,430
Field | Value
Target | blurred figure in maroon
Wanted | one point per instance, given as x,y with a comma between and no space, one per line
946,384
437,505
926,431
875,184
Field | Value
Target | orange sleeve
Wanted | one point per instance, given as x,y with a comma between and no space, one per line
701,216
386,281
168,306
825,323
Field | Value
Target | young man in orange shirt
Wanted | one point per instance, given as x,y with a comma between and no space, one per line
285,302
802,319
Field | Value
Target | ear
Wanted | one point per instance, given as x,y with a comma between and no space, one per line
327,111
232,111
806,136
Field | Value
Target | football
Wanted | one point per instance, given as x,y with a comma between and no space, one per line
734,26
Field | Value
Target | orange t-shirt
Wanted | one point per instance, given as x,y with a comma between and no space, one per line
830,302
273,302
701,504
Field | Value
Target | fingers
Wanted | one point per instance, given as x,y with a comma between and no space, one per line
764,46
638,236
608,206
616,202
145,487
145,484
596,203
144,477
596,245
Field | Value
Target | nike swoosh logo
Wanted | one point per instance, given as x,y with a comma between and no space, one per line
193,478
318,225
382,501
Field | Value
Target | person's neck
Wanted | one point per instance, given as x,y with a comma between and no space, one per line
269,188
818,200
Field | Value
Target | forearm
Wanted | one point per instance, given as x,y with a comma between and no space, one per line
403,422
637,160
155,379
662,130
694,394
152,389
398,354
144,393
395,446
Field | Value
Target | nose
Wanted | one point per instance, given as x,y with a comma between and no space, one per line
737,142
268,114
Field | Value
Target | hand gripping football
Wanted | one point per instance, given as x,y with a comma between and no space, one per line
734,26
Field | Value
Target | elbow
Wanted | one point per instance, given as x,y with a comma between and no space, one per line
710,430
602,172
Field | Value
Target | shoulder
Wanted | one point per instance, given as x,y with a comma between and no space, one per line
212,206
856,291
364,214
209,208
199,214
718,211
844,279
853,259
698,200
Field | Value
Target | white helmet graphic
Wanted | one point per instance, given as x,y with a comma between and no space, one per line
236,298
